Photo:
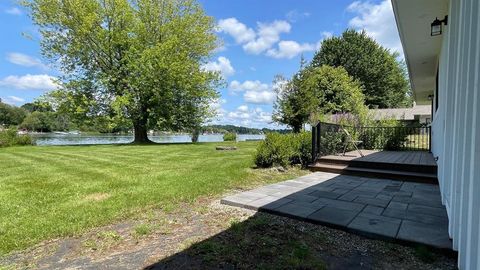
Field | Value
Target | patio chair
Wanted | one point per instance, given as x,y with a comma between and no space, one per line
350,141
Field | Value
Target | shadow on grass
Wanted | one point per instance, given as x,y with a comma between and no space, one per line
263,242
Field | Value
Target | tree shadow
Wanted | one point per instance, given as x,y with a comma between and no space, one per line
264,241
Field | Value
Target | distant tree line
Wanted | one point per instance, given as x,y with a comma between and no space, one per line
40,116
240,130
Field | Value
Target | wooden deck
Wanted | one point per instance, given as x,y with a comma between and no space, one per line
400,157
413,166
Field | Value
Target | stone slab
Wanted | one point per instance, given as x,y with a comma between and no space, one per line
372,201
299,210
427,210
376,224
333,215
325,194
417,232
373,210
373,207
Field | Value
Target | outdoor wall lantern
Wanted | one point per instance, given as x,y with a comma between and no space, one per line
436,26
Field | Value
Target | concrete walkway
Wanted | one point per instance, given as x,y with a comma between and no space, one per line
388,209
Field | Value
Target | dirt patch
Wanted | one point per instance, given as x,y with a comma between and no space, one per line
208,235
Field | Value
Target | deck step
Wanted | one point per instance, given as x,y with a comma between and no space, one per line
414,168
407,176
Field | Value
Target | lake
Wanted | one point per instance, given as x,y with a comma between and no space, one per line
84,139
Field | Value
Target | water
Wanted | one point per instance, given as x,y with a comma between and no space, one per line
81,139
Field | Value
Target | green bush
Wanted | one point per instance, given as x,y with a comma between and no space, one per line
284,150
9,137
230,137
332,143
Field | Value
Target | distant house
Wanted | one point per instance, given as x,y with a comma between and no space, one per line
441,43
417,113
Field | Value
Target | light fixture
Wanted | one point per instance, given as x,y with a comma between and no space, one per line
436,26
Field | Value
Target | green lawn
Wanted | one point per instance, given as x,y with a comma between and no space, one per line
48,192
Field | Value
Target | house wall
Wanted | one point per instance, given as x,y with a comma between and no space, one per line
456,129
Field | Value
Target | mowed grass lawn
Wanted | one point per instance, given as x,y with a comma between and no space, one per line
57,191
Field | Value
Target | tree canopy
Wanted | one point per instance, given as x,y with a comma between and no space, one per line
11,115
332,91
317,91
381,74
134,59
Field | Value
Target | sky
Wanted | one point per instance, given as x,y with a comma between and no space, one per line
259,39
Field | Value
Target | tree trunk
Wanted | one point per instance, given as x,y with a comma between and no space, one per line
140,130
297,128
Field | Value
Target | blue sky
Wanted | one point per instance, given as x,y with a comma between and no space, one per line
260,40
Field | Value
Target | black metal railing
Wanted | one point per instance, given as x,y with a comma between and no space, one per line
328,139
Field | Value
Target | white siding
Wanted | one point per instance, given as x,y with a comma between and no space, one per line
456,129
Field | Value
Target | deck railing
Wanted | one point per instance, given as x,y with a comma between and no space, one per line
328,139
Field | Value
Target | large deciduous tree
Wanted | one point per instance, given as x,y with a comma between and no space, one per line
292,105
316,91
381,74
137,59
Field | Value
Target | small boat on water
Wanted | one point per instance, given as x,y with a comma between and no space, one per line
60,133
74,132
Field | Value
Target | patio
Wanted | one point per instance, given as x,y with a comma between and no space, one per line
380,208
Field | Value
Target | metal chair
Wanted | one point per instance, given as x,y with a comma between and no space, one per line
351,141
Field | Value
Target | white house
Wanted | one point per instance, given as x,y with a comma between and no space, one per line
441,42
420,113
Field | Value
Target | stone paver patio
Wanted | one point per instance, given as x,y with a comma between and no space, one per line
388,209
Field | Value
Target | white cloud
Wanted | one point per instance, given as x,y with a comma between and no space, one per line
266,39
14,11
295,15
267,35
236,86
260,97
13,100
327,34
249,117
222,65
238,115
243,108
378,21
25,60
254,42
218,103
289,49
30,82
216,107
239,31
255,92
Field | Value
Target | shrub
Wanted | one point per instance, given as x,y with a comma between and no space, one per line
230,137
332,143
284,150
9,137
